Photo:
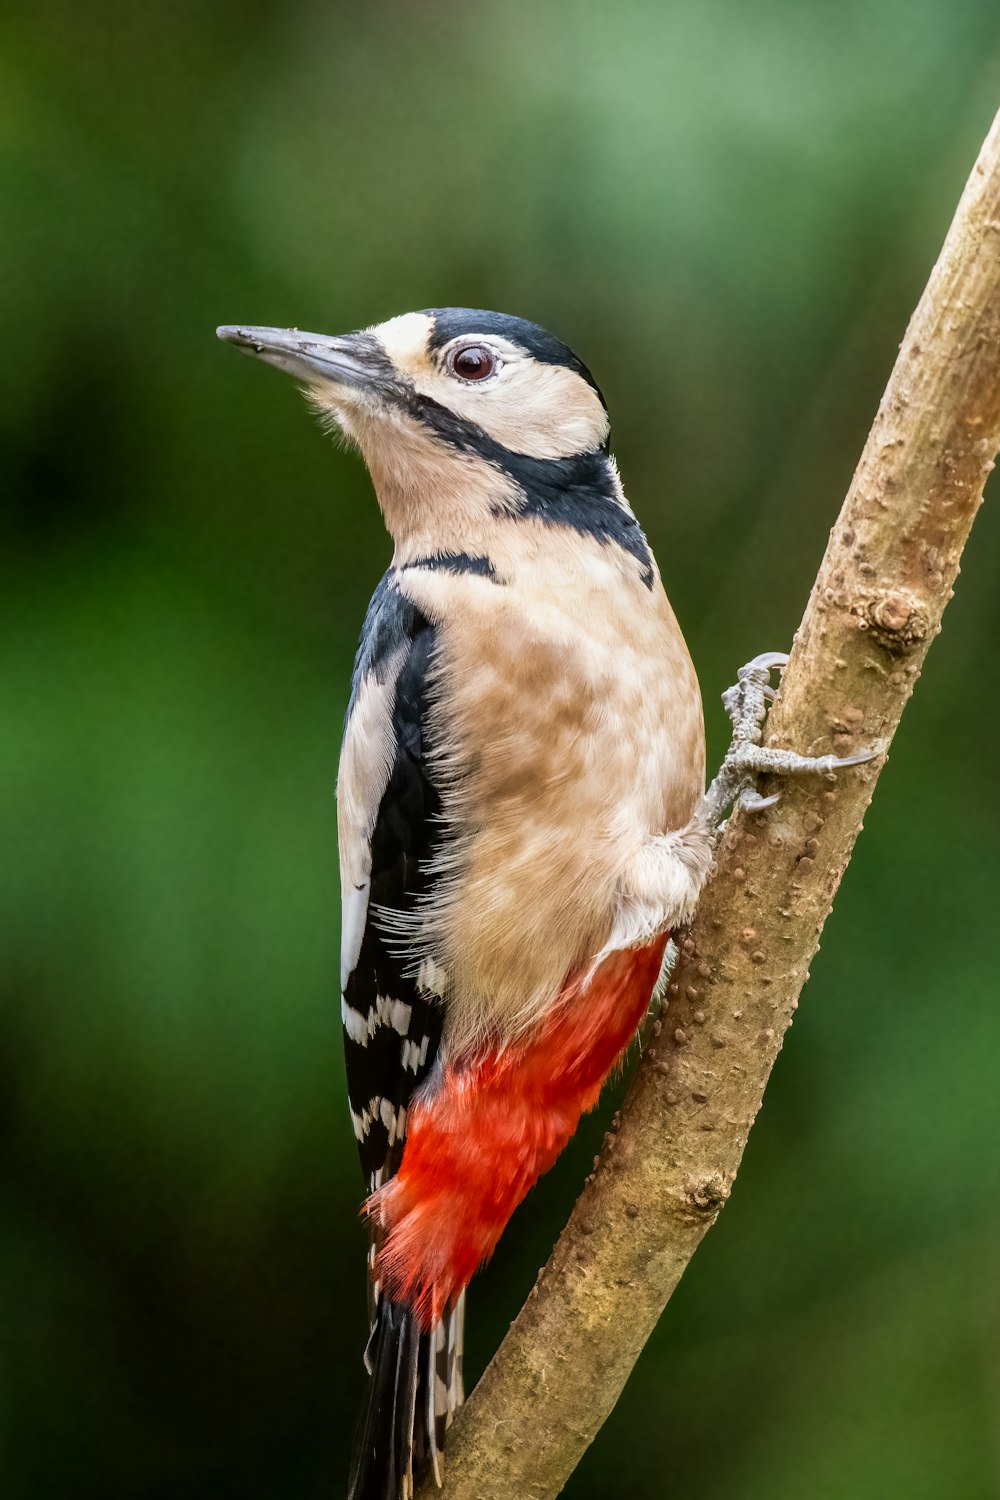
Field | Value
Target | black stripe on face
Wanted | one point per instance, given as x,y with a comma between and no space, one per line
579,492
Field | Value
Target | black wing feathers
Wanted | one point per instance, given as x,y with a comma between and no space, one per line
386,1067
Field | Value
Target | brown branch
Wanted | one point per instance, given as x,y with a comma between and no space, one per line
665,1174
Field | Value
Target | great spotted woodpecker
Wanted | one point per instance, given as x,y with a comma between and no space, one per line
520,809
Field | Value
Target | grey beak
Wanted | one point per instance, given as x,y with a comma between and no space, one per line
352,359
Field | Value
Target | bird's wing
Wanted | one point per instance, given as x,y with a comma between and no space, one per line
388,817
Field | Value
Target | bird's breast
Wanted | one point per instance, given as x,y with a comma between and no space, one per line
567,728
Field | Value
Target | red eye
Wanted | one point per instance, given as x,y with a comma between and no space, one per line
473,362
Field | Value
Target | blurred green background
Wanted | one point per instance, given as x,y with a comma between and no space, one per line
729,210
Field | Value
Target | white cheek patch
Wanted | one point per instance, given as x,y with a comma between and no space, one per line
540,410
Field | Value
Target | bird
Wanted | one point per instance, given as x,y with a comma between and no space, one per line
522,819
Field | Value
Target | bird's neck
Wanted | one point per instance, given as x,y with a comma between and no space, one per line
437,498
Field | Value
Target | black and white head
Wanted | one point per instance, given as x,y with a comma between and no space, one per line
460,374
463,417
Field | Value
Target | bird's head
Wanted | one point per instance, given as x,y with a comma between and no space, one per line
459,414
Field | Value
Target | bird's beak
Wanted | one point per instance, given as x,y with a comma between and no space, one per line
356,361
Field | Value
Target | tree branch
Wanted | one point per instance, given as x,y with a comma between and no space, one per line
666,1172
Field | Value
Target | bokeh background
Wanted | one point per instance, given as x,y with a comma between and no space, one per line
729,210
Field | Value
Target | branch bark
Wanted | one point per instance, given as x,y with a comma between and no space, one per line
667,1171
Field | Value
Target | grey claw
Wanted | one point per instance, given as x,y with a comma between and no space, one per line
862,758
751,802
770,660
746,704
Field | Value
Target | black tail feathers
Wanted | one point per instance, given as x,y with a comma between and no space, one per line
415,1389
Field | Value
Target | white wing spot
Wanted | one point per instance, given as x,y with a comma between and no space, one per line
363,1122
385,1012
379,1109
415,1054
355,1024
394,1121
394,1013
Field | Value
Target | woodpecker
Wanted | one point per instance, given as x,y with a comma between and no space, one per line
521,810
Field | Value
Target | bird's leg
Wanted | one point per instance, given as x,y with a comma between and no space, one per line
746,704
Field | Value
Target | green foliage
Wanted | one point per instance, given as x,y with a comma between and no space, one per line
729,211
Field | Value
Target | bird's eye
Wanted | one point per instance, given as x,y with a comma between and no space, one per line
473,362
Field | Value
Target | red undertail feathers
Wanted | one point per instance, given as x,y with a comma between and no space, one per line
492,1126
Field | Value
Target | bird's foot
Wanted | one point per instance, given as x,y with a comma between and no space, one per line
746,704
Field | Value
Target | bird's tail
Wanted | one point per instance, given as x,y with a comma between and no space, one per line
415,1390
